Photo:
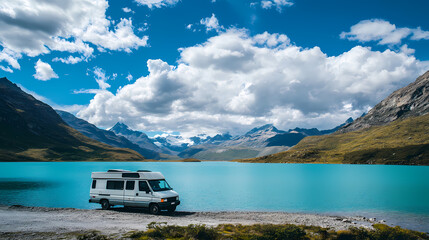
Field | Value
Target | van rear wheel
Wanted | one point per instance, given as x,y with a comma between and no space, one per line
105,204
154,209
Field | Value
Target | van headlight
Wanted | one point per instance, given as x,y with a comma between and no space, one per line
163,199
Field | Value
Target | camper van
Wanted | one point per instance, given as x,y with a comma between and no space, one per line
133,189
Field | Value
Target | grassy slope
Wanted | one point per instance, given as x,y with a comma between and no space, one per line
400,142
31,130
264,232
80,149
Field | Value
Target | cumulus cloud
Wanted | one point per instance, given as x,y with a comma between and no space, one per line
44,71
38,27
211,23
277,4
383,32
235,81
157,3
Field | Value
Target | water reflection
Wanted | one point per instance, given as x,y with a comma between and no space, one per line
15,184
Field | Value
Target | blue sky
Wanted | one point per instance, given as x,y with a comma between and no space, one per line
216,66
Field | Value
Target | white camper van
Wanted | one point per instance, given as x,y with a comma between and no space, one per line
133,189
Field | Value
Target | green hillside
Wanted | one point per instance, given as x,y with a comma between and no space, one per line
400,142
31,130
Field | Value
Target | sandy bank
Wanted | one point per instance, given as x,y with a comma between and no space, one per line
14,219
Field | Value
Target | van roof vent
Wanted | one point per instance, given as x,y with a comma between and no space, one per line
144,171
117,170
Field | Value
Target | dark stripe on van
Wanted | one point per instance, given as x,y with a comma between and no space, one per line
130,175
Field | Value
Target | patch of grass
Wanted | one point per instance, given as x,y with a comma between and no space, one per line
93,235
274,232
400,142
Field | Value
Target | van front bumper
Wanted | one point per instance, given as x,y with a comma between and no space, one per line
165,205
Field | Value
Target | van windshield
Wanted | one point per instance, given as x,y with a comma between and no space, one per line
159,185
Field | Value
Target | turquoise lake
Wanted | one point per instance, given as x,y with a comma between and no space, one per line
398,194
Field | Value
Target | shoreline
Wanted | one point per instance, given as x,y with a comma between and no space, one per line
34,220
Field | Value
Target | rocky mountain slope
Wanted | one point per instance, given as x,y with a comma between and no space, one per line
409,101
31,130
395,131
104,136
259,141
136,137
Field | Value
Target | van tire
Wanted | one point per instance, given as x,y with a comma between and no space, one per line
105,204
154,209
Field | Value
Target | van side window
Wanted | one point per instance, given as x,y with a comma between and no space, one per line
115,185
143,187
94,183
130,185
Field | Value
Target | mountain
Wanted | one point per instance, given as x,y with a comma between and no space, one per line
255,138
409,101
104,136
315,131
393,132
31,130
136,137
258,142
173,144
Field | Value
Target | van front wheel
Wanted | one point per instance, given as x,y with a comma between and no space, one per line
154,209
105,204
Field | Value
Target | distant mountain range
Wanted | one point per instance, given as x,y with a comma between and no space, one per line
104,136
31,130
395,131
259,141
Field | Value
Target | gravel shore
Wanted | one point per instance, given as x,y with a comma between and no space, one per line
30,221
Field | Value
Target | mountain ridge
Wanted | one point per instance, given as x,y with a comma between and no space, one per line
31,130
411,100
104,136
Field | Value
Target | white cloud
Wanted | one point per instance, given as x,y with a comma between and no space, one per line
383,32
157,3
74,109
6,69
69,60
127,10
277,4
38,27
419,34
211,23
101,78
129,77
10,57
235,81
44,71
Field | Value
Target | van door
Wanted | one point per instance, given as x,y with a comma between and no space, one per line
114,192
130,192
143,195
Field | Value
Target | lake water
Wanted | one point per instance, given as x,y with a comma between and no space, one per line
398,194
